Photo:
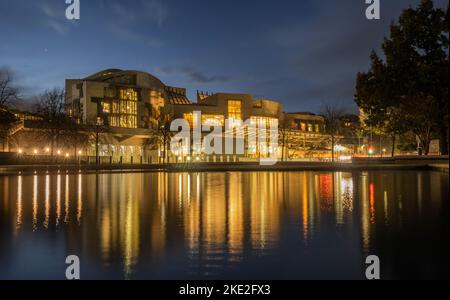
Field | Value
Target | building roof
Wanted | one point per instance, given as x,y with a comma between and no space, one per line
177,96
109,75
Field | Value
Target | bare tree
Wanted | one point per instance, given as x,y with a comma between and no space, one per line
50,105
289,139
8,92
162,133
333,115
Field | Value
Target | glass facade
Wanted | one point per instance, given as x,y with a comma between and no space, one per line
254,146
235,109
207,119
124,110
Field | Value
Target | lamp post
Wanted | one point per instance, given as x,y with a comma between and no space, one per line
97,126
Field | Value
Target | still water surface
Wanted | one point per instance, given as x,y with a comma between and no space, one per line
251,225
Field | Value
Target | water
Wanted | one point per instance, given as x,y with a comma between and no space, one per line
250,225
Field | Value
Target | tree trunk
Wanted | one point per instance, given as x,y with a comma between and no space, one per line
443,144
427,147
393,146
52,145
164,150
332,148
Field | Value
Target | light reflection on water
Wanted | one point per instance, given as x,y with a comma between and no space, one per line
262,225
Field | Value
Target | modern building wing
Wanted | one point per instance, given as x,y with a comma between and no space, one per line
129,103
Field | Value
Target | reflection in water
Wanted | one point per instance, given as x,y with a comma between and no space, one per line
66,201
58,199
203,225
35,202
80,201
19,203
47,201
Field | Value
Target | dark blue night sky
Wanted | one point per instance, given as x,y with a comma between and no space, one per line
303,53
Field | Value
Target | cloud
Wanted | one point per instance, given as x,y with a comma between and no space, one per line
128,23
194,75
130,35
55,18
155,10
57,26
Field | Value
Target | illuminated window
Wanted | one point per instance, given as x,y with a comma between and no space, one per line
106,107
310,127
213,120
303,126
317,128
235,109
263,121
207,120
124,110
190,118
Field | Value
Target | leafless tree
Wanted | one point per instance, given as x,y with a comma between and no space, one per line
8,93
288,139
161,134
50,105
333,115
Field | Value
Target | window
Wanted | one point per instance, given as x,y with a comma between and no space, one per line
317,128
303,126
263,121
190,118
310,127
207,120
106,107
213,120
124,110
235,109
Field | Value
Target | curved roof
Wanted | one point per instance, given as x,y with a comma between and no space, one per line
142,77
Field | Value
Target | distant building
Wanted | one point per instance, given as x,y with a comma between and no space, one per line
129,104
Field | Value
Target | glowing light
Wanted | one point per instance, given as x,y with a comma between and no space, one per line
59,152
339,148
189,158
371,150
345,158
35,151
20,151
47,150
180,158
79,152
372,203
198,158
67,154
